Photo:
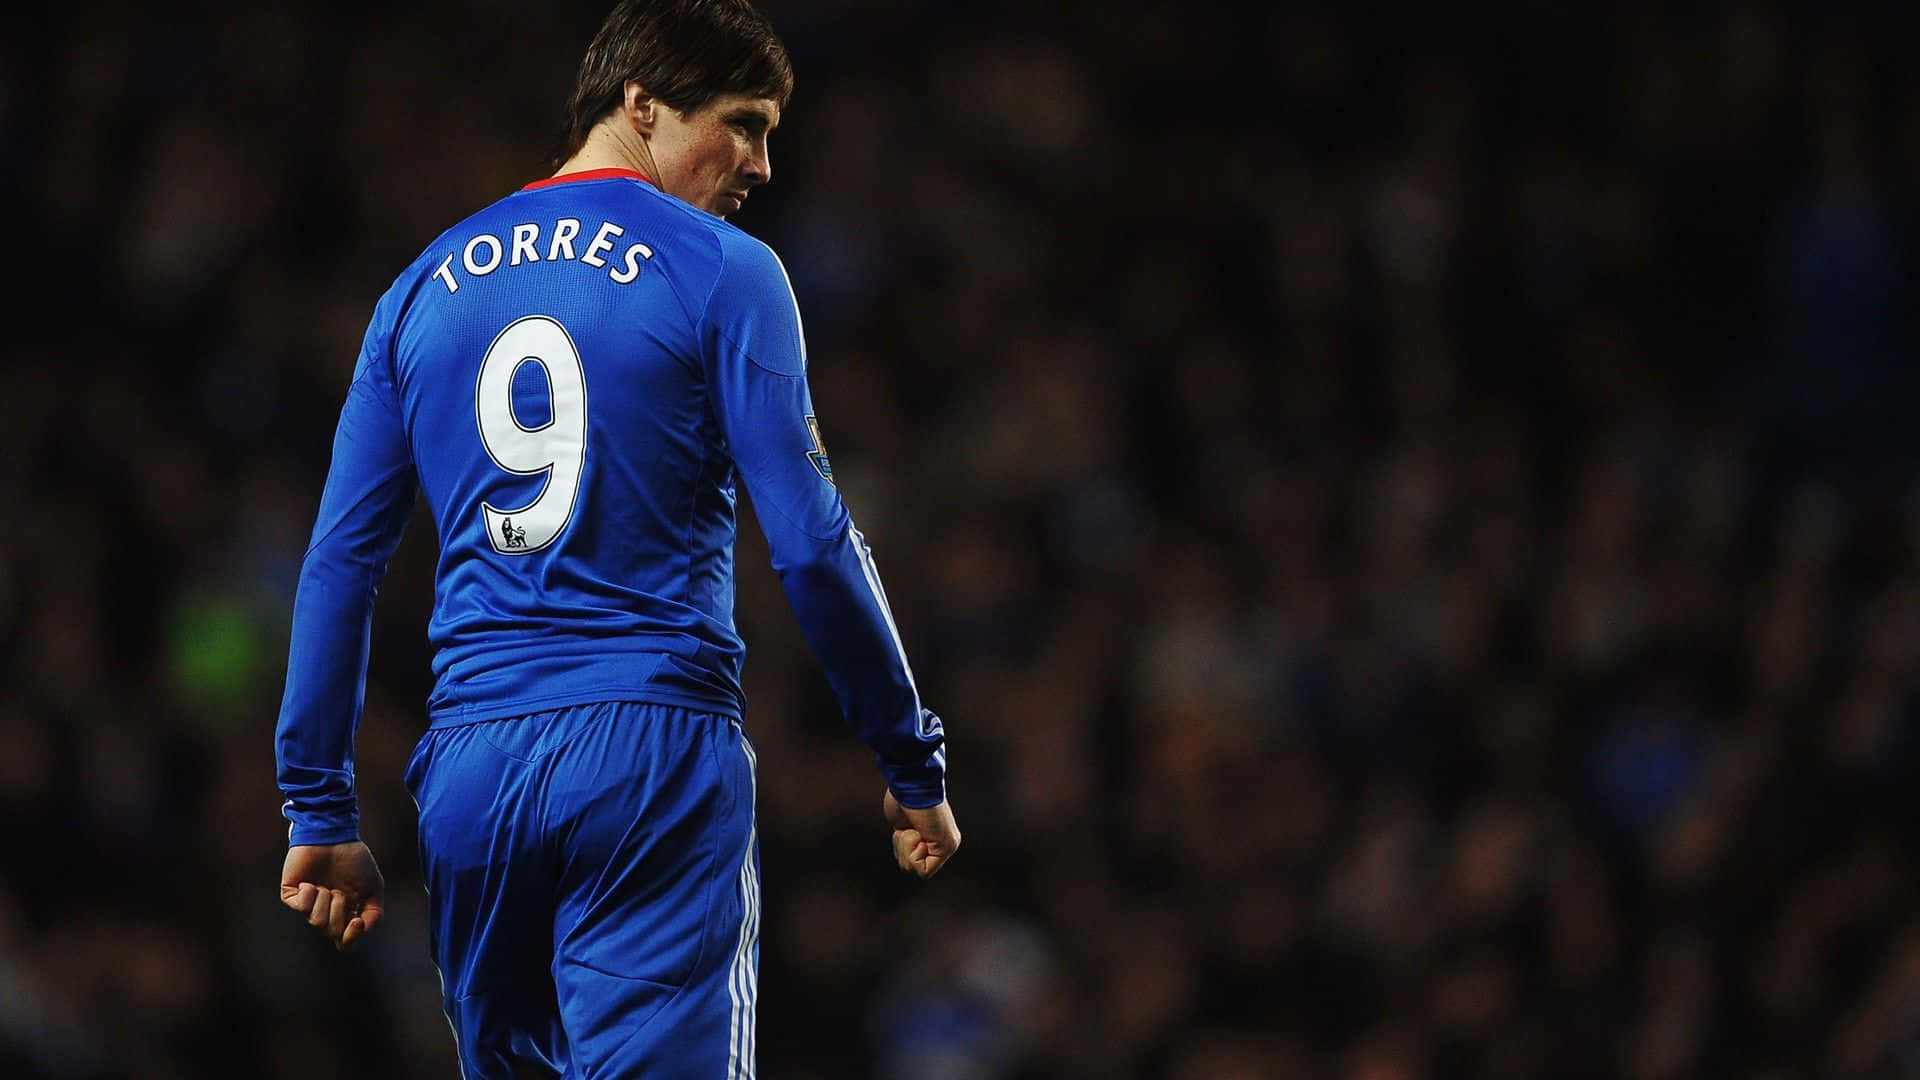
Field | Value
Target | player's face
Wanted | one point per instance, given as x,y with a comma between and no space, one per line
712,157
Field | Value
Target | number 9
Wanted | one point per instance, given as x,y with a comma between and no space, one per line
557,448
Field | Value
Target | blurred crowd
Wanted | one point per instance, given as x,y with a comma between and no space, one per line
1413,525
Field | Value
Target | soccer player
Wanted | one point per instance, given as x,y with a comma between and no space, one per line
574,378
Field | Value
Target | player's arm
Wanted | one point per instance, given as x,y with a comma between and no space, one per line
363,510
765,409
329,876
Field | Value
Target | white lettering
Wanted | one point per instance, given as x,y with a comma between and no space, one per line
524,237
563,233
493,264
634,255
486,252
602,241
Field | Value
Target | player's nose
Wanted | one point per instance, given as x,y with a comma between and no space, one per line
759,165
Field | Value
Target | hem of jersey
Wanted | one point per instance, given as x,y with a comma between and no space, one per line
918,794
476,713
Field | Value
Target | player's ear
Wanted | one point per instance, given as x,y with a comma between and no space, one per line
639,107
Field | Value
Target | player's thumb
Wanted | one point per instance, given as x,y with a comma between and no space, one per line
371,911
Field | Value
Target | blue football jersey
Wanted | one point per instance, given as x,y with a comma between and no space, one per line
575,378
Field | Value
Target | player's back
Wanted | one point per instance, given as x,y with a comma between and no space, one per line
547,358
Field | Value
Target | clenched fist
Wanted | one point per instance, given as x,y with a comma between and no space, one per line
923,840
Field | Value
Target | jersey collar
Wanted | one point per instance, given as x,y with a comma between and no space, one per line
590,174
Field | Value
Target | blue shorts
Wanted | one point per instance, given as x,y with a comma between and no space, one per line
593,881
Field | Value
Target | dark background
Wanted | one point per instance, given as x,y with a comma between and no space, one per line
1412,522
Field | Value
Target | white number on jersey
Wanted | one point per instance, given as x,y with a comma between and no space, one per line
557,448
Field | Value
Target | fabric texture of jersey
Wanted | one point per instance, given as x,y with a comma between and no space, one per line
626,829
574,378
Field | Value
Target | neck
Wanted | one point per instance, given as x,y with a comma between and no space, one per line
608,147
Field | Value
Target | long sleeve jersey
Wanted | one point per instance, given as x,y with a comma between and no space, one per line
575,378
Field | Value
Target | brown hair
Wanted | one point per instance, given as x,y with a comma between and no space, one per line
685,52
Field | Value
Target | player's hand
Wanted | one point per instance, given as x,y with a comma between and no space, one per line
923,840
337,887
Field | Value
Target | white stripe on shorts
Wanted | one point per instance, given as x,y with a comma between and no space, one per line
743,977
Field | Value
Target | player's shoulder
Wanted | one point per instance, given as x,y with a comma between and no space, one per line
749,265
734,250
446,242
708,255
753,305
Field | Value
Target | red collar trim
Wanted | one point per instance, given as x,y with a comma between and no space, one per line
590,174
